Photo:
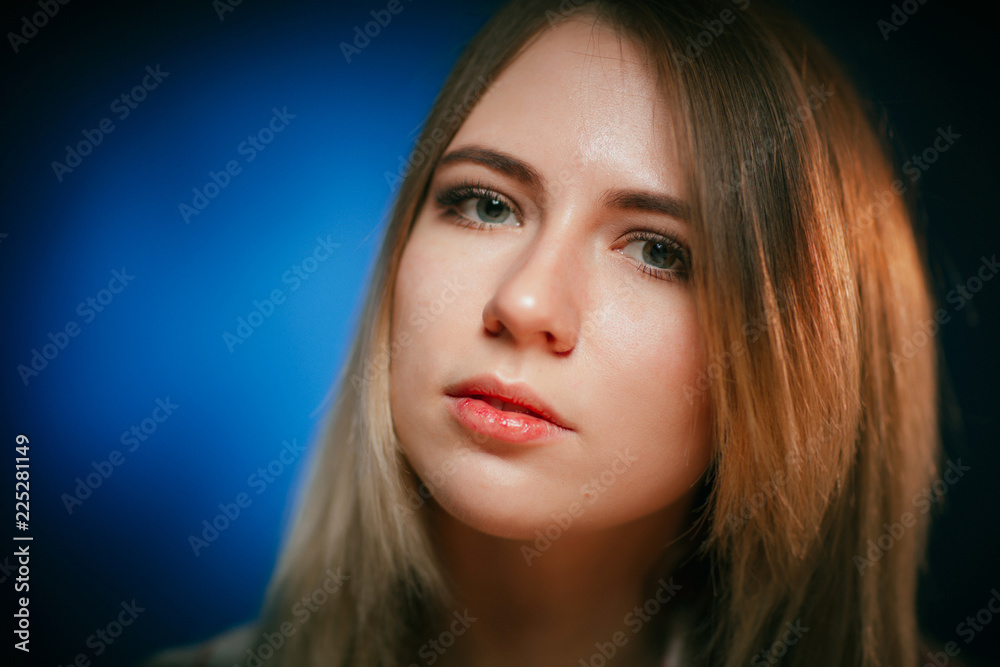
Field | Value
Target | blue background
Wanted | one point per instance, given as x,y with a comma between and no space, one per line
323,176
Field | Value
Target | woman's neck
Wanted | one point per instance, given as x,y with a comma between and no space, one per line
559,601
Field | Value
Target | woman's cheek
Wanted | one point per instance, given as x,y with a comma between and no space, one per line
432,307
653,351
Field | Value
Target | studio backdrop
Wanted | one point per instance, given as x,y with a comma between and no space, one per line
193,194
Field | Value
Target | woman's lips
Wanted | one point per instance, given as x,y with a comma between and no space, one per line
499,419
505,406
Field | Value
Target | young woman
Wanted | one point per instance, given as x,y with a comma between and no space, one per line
633,384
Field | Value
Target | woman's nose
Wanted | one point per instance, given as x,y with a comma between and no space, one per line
537,302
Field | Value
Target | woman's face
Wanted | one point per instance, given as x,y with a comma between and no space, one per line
548,267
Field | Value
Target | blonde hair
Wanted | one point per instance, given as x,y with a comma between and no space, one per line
807,294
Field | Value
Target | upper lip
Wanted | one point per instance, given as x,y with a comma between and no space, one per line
518,393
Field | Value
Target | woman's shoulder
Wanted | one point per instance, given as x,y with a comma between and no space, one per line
221,651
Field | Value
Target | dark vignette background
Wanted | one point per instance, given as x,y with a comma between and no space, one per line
323,177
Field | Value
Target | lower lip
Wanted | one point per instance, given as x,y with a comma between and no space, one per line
515,427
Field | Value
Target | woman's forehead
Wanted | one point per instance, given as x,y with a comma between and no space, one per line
582,96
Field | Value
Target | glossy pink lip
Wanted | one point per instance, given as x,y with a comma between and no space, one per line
471,403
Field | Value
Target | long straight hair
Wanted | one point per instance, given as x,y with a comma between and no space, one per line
809,284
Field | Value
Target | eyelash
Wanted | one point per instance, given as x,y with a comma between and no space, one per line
672,244
462,192
450,197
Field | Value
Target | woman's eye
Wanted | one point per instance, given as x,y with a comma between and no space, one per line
474,205
659,257
487,209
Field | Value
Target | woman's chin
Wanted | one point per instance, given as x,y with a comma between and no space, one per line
510,519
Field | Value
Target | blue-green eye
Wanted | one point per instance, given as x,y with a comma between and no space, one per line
657,255
489,209
472,205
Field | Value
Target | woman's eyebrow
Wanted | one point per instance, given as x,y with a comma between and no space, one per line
642,200
501,162
624,199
